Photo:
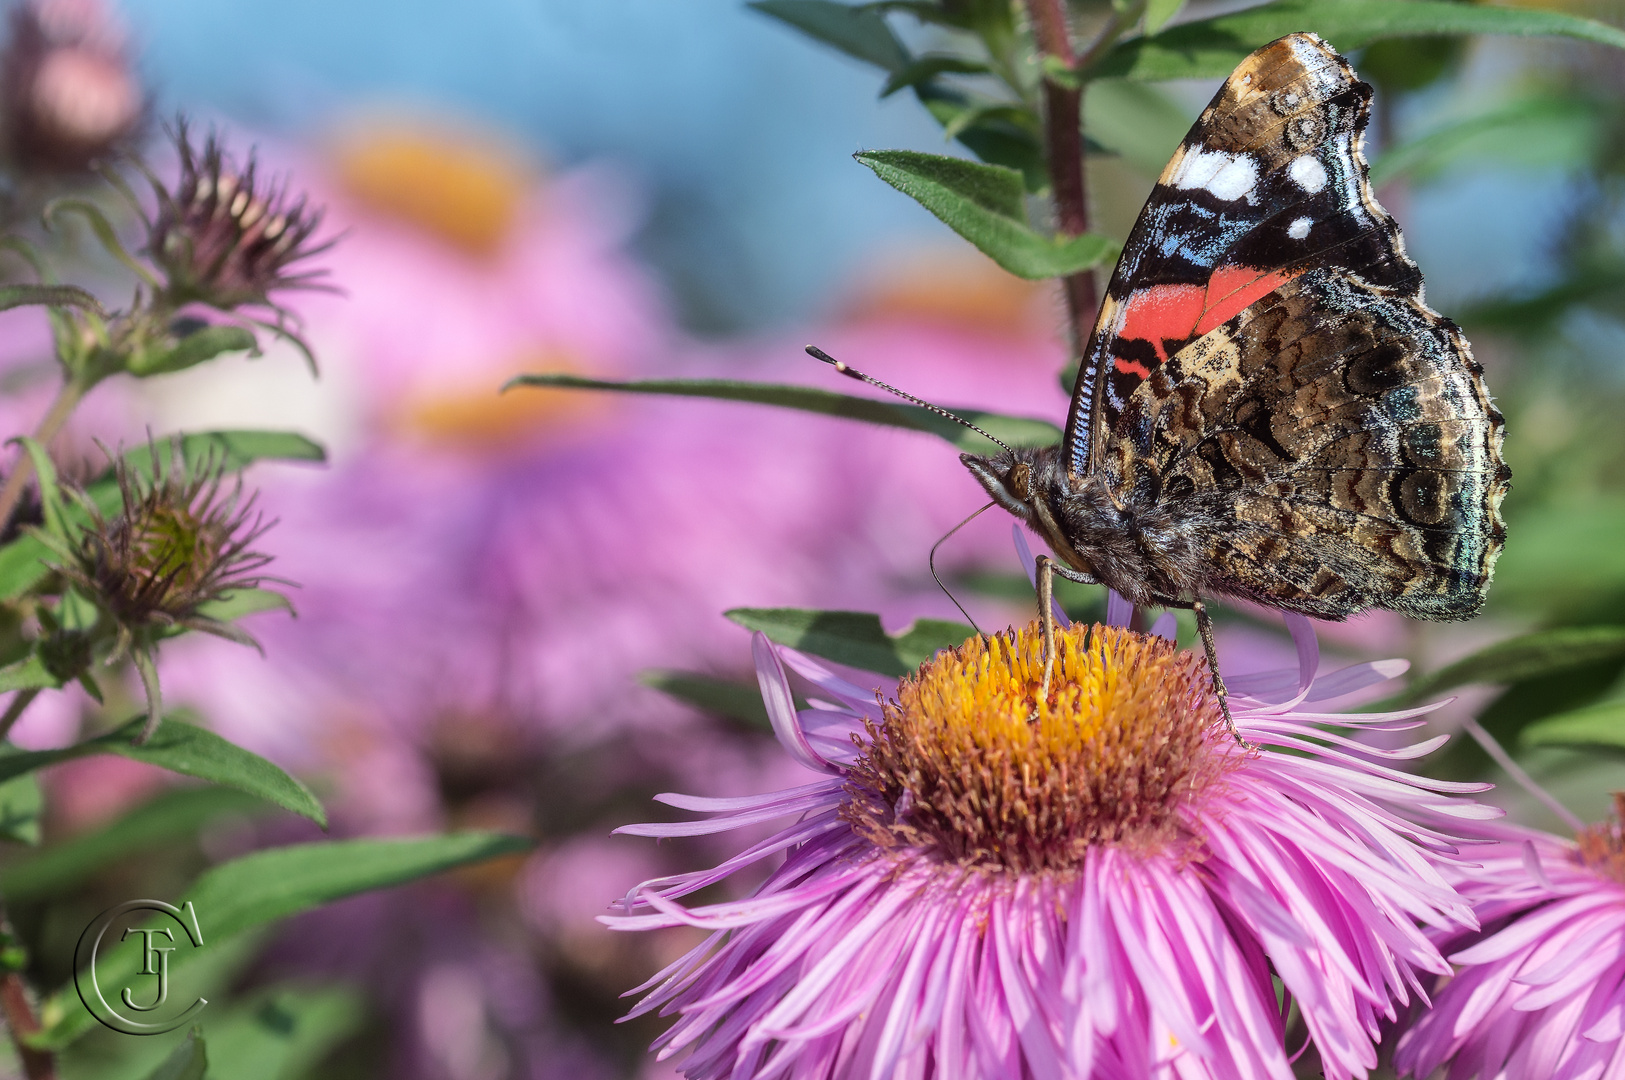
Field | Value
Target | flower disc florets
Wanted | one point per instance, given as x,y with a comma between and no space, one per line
224,238
180,541
970,764
1601,847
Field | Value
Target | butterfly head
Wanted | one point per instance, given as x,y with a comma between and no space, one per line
1016,479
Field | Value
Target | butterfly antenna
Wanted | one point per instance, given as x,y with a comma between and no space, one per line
931,561
853,373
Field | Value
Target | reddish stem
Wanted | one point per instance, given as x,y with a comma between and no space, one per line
18,1010
1063,138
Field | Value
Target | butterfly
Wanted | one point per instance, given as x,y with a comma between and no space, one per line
1267,408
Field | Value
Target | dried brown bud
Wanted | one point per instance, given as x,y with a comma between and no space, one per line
70,94
224,238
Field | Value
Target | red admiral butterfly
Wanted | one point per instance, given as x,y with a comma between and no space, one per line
1267,409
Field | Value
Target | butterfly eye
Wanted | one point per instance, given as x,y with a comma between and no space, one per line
1020,481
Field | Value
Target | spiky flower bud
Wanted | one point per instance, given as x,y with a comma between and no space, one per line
180,540
71,96
223,237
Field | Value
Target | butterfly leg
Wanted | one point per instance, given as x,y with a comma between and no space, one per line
1046,618
1204,627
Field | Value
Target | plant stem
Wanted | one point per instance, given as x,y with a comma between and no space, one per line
1063,138
20,701
17,1006
67,399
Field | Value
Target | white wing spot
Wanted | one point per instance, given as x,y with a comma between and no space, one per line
1308,173
1299,229
1224,176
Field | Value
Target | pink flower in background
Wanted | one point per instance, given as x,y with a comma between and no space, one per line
1101,885
1540,990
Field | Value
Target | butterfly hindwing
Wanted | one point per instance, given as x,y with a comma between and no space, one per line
1269,184
1335,448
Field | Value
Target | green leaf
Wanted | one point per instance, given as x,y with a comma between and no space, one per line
283,1031
1601,725
189,1061
725,698
860,32
983,203
279,882
21,804
50,490
1015,430
204,343
1543,132
993,138
51,295
929,67
265,886
175,815
1139,123
854,638
188,750
29,673
21,565
1530,656
104,231
1566,557
1211,48
1158,12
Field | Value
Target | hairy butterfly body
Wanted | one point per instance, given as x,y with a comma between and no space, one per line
1267,409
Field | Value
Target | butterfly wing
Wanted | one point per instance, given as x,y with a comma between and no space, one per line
1269,184
1330,448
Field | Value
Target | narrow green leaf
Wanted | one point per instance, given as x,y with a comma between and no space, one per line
189,1061
235,605
173,816
929,67
265,886
1599,726
1210,48
860,32
283,1031
204,343
12,296
279,882
993,139
733,700
189,750
1158,12
1015,430
1544,652
854,638
50,490
983,204
1568,557
21,805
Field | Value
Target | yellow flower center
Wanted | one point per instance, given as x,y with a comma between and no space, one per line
969,764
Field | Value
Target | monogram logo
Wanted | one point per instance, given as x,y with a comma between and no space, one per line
154,963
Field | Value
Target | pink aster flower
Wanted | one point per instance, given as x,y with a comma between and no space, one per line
1540,991
1103,884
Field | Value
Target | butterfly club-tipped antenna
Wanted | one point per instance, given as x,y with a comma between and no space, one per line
853,373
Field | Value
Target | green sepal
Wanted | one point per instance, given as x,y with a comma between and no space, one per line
1600,726
191,349
189,750
188,1061
1530,656
1211,48
860,32
1015,430
105,233
983,203
235,605
260,888
722,697
12,296
855,638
